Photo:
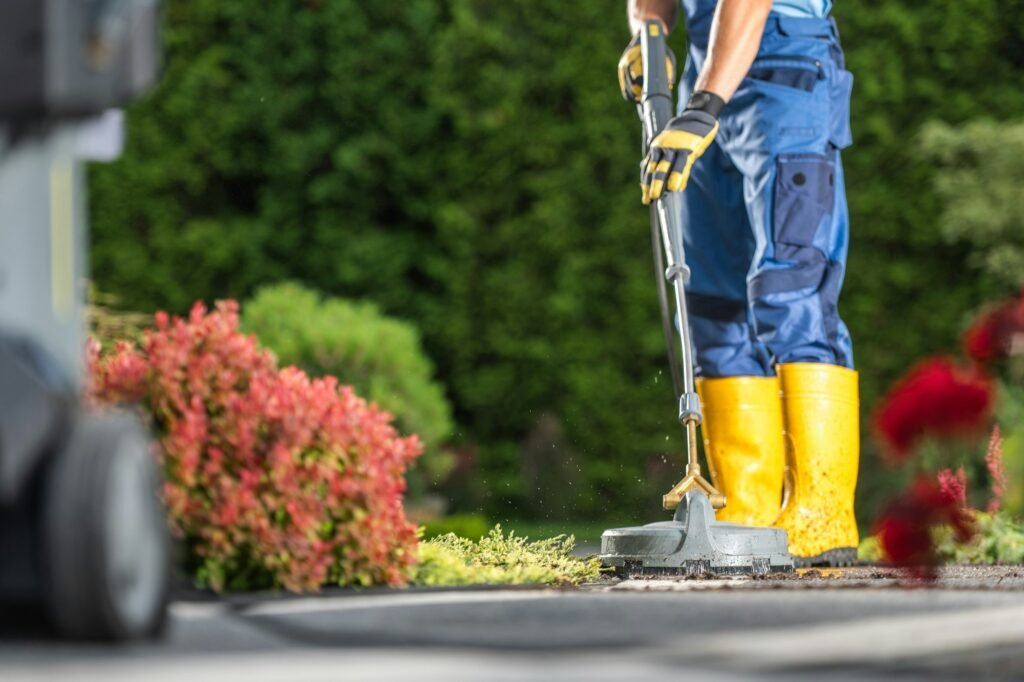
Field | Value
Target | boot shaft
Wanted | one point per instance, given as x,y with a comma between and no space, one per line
743,445
820,407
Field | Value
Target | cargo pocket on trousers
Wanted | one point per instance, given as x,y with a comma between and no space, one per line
805,188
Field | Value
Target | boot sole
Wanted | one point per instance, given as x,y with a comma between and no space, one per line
840,557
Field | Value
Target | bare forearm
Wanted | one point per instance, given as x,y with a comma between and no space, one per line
642,10
735,36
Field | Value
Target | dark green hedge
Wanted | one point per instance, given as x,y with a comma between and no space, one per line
468,165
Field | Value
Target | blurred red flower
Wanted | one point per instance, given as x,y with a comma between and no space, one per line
935,398
979,340
997,333
905,529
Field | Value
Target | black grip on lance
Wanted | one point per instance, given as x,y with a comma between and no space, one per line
656,96
655,110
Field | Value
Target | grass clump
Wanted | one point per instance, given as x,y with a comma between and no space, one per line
500,559
870,549
998,539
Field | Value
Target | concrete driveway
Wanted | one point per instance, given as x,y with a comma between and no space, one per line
969,627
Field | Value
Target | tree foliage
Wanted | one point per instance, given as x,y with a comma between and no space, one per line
469,166
980,169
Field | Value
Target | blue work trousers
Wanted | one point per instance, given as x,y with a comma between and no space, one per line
765,222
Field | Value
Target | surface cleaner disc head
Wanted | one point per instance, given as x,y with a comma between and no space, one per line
694,543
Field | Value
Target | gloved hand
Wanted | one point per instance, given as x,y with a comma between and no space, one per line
672,153
631,70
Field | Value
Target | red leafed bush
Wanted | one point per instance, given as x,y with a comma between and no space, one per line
905,530
272,479
935,398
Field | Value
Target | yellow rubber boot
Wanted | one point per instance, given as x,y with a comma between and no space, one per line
822,435
743,444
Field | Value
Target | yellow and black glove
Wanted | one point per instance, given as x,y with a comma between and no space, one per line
672,153
631,70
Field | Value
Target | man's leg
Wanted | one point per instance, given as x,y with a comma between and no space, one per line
742,414
821,412
782,136
718,249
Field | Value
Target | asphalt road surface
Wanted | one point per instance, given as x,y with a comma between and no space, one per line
849,626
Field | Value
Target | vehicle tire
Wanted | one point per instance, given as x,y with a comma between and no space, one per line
105,550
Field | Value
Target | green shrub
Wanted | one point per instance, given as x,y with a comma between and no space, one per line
502,559
380,356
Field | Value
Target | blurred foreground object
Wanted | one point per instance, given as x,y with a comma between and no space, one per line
963,504
82,534
64,59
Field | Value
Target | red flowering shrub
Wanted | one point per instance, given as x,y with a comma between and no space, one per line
272,479
905,530
935,398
